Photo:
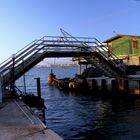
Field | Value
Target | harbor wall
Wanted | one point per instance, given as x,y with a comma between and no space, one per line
121,85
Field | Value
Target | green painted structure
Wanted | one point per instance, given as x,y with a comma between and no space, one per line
126,47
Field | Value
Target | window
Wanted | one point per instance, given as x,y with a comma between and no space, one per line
109,47
135,44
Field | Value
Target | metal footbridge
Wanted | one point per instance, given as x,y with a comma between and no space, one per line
86,49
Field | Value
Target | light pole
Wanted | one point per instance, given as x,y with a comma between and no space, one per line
12,88
24,80
0,88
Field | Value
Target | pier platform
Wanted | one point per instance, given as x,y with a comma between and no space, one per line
18,123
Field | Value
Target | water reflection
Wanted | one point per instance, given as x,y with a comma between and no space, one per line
82,116
77,116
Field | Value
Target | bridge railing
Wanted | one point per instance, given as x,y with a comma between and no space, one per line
18,57
108,55
99,47
50,42
55,43
67,43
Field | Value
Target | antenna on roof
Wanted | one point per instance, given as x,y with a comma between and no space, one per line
115,32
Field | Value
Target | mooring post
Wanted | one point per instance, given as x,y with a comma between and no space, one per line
38,87
41,101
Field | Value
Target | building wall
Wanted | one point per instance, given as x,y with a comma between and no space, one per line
127,48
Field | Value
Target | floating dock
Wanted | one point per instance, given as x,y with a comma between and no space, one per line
17,122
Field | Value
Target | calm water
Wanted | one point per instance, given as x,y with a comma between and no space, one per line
84,117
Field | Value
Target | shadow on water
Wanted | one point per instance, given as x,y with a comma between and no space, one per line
83,116
112,121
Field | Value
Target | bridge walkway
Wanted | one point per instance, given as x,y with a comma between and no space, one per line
86,49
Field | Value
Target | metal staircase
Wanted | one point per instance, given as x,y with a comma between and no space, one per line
89,49
107,61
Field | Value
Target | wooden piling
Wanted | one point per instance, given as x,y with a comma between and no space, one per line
94,85
38,87
115,87
126,86
41,101
103,85
121,86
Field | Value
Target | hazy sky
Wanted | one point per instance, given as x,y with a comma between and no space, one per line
22,21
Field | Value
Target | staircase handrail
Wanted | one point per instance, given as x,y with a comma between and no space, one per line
7,61
15,54
112,55
103,46
47,43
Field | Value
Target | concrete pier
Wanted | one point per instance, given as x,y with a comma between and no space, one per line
131,85
18,123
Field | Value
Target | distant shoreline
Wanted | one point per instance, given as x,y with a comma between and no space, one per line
58,65
63,65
